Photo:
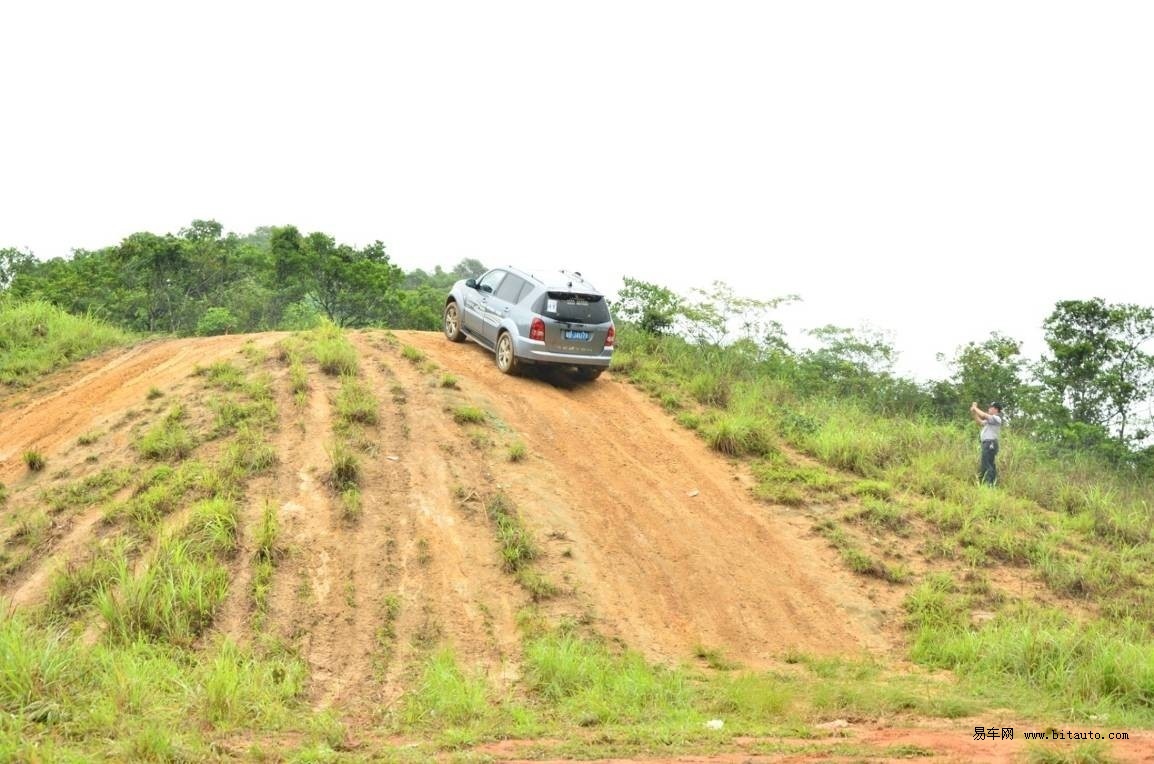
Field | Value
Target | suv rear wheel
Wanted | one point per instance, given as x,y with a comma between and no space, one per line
452,324
507,362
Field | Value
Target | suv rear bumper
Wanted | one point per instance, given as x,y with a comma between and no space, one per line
533,352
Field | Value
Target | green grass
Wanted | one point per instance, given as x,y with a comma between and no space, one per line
299,381
231,413
345,467
169,439
386,634
221,374
351,504
739,434
1073,523
75,589
517,452
465,414
29,534
536,585
447,696
68,701
332,351
37,338
1100,668
175,598
265,559
450,381
413,355
590,685
87,491
514,541
861,562
714,658
249,454
356,404
88,438
34,461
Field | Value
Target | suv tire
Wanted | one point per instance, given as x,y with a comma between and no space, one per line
452,322
507,362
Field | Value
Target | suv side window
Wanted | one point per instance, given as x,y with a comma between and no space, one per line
510,288
490,281
526,288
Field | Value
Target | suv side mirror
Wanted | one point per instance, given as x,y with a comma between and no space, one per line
471,283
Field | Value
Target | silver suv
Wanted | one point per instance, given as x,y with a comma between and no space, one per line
524,318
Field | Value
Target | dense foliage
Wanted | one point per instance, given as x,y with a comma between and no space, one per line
202,280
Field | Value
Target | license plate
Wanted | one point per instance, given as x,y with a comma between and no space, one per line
570,334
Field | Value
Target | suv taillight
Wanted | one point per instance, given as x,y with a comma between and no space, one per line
609,337
537,330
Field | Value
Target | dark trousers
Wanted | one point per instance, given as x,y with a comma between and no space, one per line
988,473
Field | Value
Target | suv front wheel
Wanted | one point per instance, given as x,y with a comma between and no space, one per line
452,324
507,362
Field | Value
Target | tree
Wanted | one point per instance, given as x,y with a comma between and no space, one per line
651,307
354,287
849,363
994,369
1098,372
861,353
470,267
13,261
216,321
720,314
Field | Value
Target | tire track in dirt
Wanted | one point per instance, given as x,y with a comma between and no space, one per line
667,544
449,576
307,579
30,587
235,618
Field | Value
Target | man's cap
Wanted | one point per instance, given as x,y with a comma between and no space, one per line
997,405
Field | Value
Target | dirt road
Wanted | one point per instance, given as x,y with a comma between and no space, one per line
654,540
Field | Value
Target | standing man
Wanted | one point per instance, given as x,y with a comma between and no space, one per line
991,423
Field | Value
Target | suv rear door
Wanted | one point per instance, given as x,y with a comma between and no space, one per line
578,322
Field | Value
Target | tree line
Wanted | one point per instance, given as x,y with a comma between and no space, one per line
204,281
1092,389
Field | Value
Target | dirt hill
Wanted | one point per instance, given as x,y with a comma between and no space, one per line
652,539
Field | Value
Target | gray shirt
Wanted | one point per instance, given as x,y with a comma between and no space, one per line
992,428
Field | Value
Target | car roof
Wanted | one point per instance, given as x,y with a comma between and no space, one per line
558,281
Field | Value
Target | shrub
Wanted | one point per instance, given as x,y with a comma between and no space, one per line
216,321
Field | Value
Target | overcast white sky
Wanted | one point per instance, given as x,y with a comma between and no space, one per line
934,170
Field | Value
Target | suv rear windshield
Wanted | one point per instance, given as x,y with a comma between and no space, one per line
572,306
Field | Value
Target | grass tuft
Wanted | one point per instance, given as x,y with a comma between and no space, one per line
355,403
169,439
345,470
515,542
332,351
34,460
468,415
517,452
